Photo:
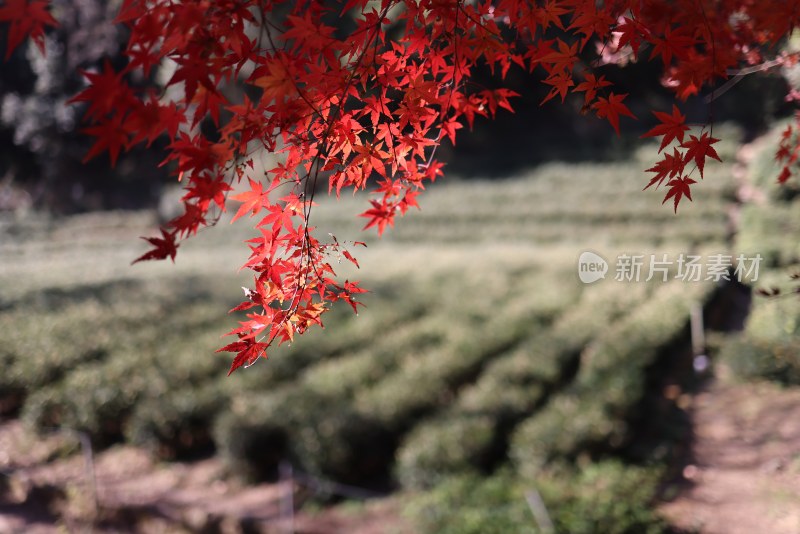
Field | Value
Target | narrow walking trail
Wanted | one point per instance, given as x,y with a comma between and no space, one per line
744,475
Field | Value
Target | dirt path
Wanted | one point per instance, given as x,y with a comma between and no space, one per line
46,487
745,473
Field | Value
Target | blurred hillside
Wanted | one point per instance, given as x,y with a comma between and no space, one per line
480,353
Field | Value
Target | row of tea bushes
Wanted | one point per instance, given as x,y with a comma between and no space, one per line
324,435
98,397
770,216
768,348
593,413
766,230
343,376
100,358
608,497
148,389
178,424
344,333
54,334
472,434
318,425
757,358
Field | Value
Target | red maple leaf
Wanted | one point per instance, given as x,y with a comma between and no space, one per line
679,188
350,289
449,128
248,351
111,135
675,43
252,200
561,82
206,190
785,174
699,149
671,127
591,85
379,215
164,248
563,59
630,34
667,167
106,92
27,19
611,108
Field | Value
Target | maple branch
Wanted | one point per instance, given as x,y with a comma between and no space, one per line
453,86
480,24
710,120
739,75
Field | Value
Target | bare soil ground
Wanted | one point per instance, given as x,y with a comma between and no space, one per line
47,486
744,477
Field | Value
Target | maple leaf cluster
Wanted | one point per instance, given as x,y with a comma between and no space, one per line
363,105
26,19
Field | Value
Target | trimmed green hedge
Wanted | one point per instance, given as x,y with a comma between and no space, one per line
769,347
179,423
446,445
776,360
606,497
510,388
593,413
322,435
428,381
94,398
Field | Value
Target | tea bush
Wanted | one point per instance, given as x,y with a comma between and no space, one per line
608,497
321,435
445,445
178,424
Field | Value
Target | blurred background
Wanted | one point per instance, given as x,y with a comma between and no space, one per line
484,388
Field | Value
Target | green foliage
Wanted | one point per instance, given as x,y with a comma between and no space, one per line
764,231
95,398
446,445
493,350
603,204
428,379
607,497
472,504
323,435
141,359
567,426
71,328
594,413
753,357
250,440
769,347
343,376
177,424
614,363
353,335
